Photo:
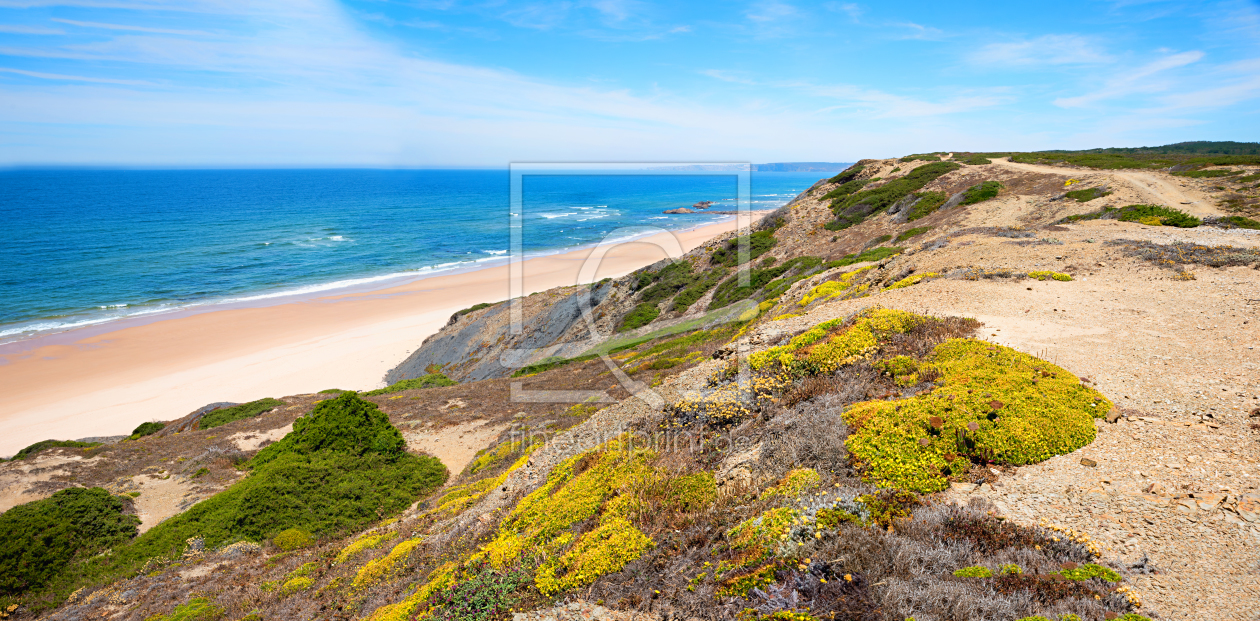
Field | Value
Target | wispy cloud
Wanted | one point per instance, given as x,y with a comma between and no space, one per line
733,77
877,104
1052,49
130,28
1133,81
30,30
73,78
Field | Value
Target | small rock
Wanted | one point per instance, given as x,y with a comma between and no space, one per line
962,488
1113,416
1087,462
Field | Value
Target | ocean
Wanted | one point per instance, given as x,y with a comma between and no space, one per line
86,247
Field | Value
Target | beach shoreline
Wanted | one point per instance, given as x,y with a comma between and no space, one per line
103,380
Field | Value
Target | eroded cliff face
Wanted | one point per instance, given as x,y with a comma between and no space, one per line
482,345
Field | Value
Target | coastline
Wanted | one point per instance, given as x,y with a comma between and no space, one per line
104,380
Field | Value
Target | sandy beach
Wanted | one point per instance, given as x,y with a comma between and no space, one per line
106,383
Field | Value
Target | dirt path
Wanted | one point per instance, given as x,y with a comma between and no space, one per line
1151,186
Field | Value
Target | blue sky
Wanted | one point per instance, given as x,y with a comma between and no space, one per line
418,82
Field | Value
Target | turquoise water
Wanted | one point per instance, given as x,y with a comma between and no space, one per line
90,246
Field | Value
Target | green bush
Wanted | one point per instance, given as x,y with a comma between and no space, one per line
486,593
432,380
293,539
763,282
878,240
1086,195
857,207
974,572
1090,570
697,289
146,429
341,468
1240,222
669,280
224,416
38,540
846,189
1202,174
981,192
1248,178
759,243
912,232
847,174
926,157
640,316
474,307
44,445
197,609
874,254
928,202
1166,215
977,160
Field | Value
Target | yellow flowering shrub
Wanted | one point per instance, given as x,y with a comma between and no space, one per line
995,403
912,279
495,455
832,289
1046,274
378,569
364,542
300,583
739,586
439,579
604,550
759,537
794,483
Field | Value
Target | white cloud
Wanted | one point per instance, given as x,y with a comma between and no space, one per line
1133,81
30,30
734,77
73,78
130,28
1043,50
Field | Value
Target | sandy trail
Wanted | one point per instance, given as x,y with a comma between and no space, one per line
1151,185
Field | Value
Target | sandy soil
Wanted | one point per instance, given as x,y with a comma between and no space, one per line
109,383
456,445
1146,187
20,482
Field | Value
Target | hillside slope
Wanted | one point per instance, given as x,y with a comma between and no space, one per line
961,396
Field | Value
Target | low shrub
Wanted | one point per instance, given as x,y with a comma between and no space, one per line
431,380
44,445
224,416
1165,215
1238,222
878,240
474,308
293,539
641,315
41,539
1086,195
977,160
907,234
1208,174
847,174
913,279
874,254
925,157
764,282
845,189
483,593
974,572
196,609
341,468
927,203
981,192
759,243
146,429
857,207
1046,274
994,405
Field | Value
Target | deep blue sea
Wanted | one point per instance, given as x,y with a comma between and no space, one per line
89,246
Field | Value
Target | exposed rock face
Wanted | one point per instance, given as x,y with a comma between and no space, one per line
480,346
679,210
